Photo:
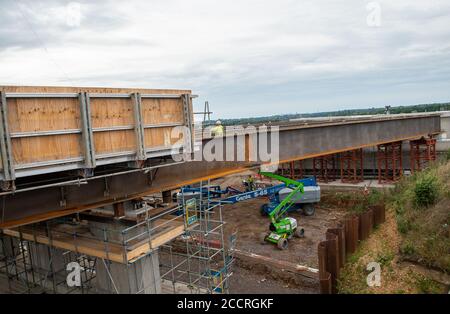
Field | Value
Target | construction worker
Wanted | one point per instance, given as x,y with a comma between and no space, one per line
218,130
249,184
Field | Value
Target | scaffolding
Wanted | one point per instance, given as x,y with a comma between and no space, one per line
181,247
422,153
352,168
389,162
198,262
29,267
324,168
292,169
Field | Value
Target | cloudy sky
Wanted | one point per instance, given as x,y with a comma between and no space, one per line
247,57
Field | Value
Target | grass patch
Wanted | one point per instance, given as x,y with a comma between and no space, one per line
427,286
385,258
426,190
421,204
416,228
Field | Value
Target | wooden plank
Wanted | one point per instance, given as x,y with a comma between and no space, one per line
46,148
70,89
160,111
89,247
35,115
43,114
114,141
160,137
170,229
109,112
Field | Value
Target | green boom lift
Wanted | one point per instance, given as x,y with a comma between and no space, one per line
283,228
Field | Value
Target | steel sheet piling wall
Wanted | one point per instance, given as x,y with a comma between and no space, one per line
342,241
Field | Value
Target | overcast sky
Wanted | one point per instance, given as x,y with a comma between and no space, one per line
247,58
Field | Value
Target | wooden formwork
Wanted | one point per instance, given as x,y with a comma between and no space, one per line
164,231
50,129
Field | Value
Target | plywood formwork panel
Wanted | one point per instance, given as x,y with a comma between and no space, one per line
33,115
70,89
109,112
43,114
46,148
160,137
54,129
161,111
114,141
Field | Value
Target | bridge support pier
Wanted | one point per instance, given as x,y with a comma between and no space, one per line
139,277
293,169
389,162
324,168
422,152
167,196
352,169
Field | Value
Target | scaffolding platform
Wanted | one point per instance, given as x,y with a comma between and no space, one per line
174,250
165,231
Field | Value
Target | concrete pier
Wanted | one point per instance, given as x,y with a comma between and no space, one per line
141,277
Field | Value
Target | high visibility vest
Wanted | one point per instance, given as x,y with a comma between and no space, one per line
217,130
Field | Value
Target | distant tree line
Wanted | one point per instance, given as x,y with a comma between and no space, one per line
347,112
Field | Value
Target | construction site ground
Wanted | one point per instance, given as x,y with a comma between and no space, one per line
251,276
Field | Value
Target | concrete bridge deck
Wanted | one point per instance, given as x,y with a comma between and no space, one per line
37,201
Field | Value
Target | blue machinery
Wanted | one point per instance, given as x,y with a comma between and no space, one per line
275,193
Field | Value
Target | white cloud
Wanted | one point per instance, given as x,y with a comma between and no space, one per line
246,57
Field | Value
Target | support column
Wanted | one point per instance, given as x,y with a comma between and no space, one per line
46,259
138,276
352,169
324,168
119,210
141,276
167,196
292,169
422,153
389,162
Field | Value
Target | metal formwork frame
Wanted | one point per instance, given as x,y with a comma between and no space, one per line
189,143
422,153
88,137
324,168
139,126
5,141
352,168
292,169
389,162
90,159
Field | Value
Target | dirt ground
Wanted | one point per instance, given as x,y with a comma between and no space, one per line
245,217
245,281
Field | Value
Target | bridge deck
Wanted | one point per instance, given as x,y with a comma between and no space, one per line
298,140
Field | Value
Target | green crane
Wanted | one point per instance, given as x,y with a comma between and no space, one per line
283,228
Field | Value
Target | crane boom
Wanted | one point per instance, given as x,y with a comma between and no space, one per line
297,189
